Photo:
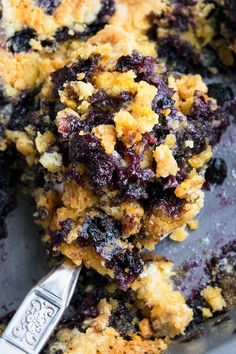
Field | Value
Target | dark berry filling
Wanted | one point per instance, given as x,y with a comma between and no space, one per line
127,265
161,196
163,99
49,5
204,125
102,232
58,236
101,111
180,17
61,76
106,170
103,103
124,320
22,108
41,122
107,10
20,42
87,149
180,56
216,171
144,67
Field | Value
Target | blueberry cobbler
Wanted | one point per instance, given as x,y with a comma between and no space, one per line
105,106
123,153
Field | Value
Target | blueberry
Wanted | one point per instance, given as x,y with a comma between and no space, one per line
20,42
216,171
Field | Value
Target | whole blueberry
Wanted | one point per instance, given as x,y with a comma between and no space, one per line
216,171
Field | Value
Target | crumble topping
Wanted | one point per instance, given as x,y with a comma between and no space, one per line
179,234
214,298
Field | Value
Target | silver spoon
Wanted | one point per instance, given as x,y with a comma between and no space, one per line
40,312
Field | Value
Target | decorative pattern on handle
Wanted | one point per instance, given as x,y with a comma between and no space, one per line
33,323
40,312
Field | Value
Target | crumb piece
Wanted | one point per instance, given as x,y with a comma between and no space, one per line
179,234
189,143
52,161
188,84
200,160
127,128
3,144
74,91
206,313
83,89
189,188
169,314
114,83
78,197
107,341
107,135
88,256
46,200
131,221
170,141
147,160
44,141
63,120
193,224
214,298
145,328
141,107
24,144
166,164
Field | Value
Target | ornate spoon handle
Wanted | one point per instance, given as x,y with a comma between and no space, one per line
40,312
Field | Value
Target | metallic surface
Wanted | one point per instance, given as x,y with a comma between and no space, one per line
40,312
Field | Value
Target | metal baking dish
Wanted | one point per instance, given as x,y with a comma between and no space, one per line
22,260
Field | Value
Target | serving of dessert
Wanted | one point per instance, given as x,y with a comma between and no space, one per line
109,114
